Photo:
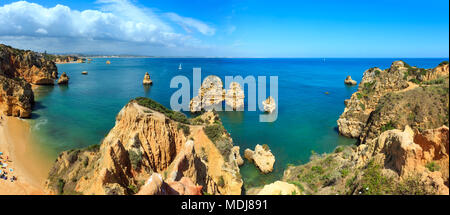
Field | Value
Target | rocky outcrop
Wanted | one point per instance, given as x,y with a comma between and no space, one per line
64,79
269,104
441,71
31,66
349,81
155,185
148,139
235,96
63,59
276,188
262,157
210,94
84,73
108,62
19,69
396,162
385,98
237,156
147,80
16,97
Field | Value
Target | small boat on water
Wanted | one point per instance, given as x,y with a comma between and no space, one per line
179,67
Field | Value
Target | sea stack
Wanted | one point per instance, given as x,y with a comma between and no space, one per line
64,79
108,62
84,72
349,81
147,80
210,94
262,157
234,96
269,104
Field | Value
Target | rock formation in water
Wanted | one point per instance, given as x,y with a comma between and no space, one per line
147,80
210,94
234,96
149,139
64,79
262,157
269,104
108,62
349,81
84,73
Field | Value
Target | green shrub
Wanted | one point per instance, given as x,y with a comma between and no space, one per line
389,126
93,148
443,63
266,147
185,128
61,184
174,115
135,158
214,132
221,181
133,189
433,166
373,182
414,81
339,149
363,107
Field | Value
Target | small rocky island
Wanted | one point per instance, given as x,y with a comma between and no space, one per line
269,104
64,79
147,80
262,157
349,81
235,96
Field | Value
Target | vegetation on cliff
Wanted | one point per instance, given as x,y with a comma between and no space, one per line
149,139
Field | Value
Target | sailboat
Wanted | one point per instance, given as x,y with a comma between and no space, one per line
179,67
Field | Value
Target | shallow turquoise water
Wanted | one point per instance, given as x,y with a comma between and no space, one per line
82,113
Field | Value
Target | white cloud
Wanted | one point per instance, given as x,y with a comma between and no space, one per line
115,21
188,23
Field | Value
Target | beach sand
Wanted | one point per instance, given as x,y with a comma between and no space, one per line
28,162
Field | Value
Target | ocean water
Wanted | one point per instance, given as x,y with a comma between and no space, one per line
82,113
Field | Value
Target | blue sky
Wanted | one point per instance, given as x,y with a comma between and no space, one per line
234,28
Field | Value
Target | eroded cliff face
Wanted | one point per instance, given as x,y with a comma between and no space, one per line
16,97
400,117
19,69
145,141
31,66
388,99
398,162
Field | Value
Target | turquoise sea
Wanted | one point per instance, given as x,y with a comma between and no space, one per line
82,113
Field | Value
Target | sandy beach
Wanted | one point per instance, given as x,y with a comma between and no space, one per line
28,164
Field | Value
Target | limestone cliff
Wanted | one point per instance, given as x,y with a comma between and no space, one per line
16,97
148,139
31,66
19,69
400,117
398,162
388,98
